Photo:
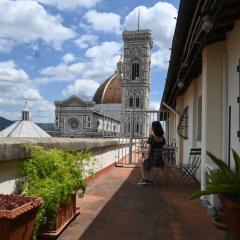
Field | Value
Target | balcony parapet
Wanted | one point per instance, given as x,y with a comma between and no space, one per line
14,148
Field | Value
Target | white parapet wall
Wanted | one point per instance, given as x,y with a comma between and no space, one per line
13,154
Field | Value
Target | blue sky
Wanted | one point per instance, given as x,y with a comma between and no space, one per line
50,49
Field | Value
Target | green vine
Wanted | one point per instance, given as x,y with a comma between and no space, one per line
54,175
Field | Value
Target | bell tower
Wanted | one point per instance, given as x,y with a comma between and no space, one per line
136,80
136,69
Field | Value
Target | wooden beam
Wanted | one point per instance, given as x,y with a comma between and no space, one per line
223,29
230,17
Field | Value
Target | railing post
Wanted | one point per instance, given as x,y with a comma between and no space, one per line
130,136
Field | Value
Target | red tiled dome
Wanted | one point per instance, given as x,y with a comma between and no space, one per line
110,91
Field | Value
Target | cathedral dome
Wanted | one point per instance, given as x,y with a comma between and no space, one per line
110,91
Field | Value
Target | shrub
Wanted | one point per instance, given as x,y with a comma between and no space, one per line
55,175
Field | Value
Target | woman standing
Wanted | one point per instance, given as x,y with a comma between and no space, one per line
153,156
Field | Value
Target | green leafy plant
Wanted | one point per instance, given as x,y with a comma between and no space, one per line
223,181
55,175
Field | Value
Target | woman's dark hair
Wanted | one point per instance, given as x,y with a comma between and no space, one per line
157,129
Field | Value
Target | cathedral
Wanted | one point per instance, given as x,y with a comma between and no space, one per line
127,90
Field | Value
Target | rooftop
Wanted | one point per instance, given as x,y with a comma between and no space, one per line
24,128
115,207
110,91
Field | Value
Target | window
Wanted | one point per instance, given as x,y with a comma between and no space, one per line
182,128
199,118
137,128
137,102
186,123
131,102
56,120
88,122
98,124
135,71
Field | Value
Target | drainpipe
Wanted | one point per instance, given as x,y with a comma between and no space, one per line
171,109
175,117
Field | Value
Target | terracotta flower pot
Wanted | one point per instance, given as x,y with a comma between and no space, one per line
231,210
66,212
17,216
220,221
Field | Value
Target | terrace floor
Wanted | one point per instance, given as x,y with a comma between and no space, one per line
115,207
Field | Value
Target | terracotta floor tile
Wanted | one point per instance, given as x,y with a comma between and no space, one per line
116,208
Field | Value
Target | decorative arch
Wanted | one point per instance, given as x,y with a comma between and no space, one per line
135,69
131,101
137,101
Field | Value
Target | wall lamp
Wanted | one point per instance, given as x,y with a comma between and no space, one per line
207,24
180,84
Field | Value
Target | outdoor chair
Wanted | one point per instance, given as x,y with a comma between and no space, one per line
165,162
189,169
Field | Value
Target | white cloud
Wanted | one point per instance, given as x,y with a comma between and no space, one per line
70,4
62,72
101,62
159,18
154,105
15,86
83,87
42,111
107,22
161,58
104,50
27,21
6,45
53,71
86,40
11,115
77,68
69,57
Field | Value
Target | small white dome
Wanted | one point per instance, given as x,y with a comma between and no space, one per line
24,129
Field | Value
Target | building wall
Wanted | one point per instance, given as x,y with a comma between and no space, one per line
190,100
179,140
219,87
212,93
13,154
199,93
233,56
172,126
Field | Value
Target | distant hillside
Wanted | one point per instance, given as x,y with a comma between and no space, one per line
5,123
46,126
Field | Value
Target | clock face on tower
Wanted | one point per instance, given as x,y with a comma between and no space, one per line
73,123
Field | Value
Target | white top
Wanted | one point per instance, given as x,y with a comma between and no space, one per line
24,129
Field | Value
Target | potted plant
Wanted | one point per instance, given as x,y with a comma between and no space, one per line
226,183
56,176
17,216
